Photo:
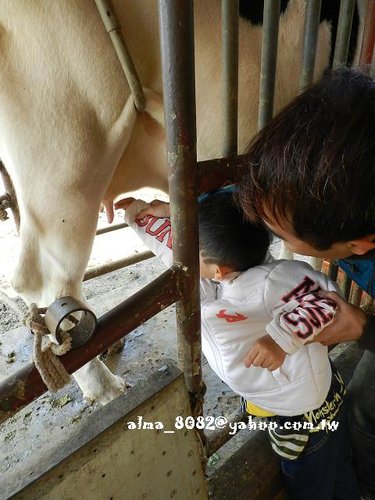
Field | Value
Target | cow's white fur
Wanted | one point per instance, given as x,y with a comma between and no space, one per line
67,121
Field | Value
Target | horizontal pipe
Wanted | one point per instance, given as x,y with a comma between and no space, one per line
109,229
117,264
22,387
214,173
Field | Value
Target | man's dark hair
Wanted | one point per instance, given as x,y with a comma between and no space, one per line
226,238
314,163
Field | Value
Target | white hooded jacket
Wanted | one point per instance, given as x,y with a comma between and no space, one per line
277,297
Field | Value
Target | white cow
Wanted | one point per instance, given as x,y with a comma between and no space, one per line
67,121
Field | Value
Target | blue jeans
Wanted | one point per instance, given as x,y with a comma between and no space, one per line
325,470
362,423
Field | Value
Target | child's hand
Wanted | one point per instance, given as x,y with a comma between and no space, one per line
157,208
124,203
266,354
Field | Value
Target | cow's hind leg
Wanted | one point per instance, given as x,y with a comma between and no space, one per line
50,269
98,383
59,204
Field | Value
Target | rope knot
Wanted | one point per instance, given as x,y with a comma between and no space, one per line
34,321
50,368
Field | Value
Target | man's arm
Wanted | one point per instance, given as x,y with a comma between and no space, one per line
350,323
293,298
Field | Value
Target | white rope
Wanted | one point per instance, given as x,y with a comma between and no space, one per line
50,368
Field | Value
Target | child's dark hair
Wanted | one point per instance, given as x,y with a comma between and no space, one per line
314,163
226,238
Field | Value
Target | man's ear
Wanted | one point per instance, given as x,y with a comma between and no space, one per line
221,272
362,245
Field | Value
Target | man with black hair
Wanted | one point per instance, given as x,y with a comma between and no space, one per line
311,179
258,316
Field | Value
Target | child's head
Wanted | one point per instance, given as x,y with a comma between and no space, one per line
312,169
227,242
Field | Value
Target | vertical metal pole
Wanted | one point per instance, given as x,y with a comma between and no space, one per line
368,39
346,286
355,295
312,16
229,14
333,271
344,29
367,300
270,34
177,48
271,16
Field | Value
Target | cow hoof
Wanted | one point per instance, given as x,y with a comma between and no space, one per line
98,383
107,394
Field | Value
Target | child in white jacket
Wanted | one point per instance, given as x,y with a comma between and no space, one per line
257,316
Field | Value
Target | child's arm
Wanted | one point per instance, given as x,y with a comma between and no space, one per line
148,220
157,208
266,354
299,312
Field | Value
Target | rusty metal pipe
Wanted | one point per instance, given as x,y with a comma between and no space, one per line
368,38
177,50
25,385
214,173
